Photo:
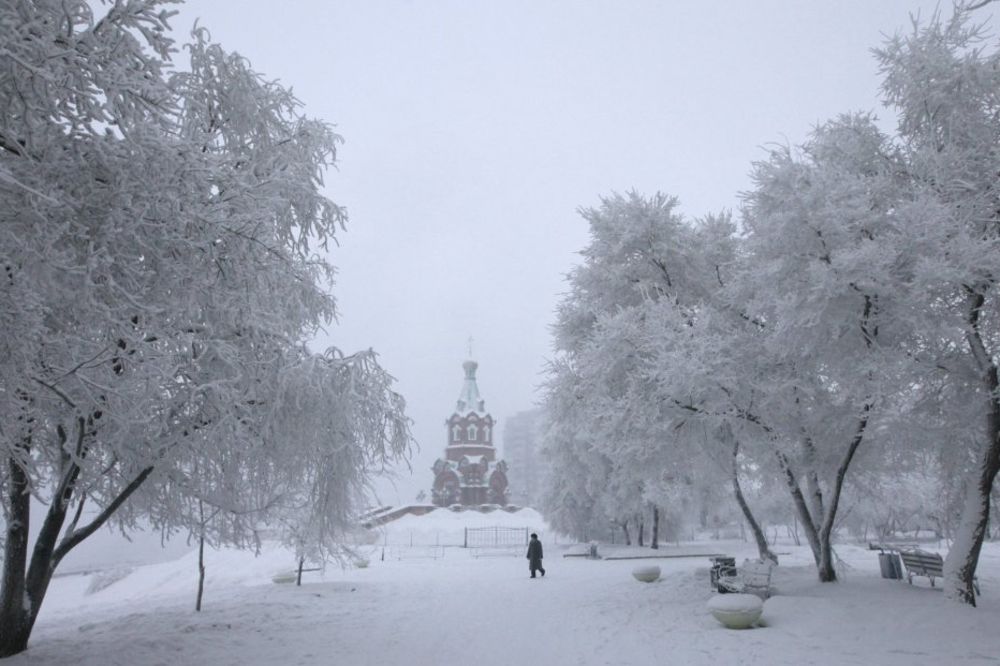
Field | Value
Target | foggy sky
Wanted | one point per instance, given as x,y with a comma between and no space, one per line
474,130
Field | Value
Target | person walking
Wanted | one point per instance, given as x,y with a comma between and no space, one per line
535,555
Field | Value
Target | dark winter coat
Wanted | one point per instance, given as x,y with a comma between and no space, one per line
535,554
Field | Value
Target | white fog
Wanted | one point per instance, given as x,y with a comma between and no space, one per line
433,332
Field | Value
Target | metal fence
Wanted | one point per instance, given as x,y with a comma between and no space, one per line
410,552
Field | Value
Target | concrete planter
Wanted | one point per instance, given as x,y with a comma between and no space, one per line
646,574
736,611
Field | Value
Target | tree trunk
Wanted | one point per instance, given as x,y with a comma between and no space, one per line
758,534
22,594
298,577
628,537
827,572
641,530
23,609
15,624
201,572
703,511
993,527
813,489
45,555
201,558
801,508
963,557
654,539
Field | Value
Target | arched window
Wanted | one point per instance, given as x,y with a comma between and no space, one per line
473,432
455,433
486,433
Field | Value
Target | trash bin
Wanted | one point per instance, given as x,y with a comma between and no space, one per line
890,565
721,566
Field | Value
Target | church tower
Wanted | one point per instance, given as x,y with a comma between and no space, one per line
469,474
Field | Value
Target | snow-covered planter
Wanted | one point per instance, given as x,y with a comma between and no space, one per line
736,611
285,577
646,574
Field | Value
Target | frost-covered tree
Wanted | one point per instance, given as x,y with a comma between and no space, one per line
647,278
579,471
822,276
945,86
160,277
701,370
341,447
769,345
856,316
595,380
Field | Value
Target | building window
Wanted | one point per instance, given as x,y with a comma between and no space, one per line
455,432
473,431
486,433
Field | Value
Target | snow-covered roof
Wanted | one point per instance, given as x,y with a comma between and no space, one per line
468,399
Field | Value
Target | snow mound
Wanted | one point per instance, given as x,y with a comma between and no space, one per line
735,603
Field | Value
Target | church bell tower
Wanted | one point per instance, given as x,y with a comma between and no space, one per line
470,474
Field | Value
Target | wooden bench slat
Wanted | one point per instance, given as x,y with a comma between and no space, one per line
753,578
929,565
922,563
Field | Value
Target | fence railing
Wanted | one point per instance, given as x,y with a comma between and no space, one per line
495,537
410,552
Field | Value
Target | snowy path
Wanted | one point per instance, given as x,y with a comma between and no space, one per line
461,610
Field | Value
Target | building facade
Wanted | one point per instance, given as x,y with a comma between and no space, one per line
470,474
522,438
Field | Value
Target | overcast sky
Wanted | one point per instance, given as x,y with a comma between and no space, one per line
474,130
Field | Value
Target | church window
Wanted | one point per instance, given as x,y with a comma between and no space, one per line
473,432
486,433
455,433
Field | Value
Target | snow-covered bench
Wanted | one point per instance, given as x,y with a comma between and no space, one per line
929,565
754,577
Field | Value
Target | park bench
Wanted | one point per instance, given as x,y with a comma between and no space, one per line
754,577
922,563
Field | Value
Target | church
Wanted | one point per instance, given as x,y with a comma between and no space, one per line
470,474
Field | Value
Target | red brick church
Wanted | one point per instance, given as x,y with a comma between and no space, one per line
469,474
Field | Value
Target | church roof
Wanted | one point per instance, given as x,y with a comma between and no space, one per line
468,399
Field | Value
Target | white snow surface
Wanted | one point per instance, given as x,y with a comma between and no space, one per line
734,602
443,605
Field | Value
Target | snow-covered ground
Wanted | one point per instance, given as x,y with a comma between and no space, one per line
441,605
